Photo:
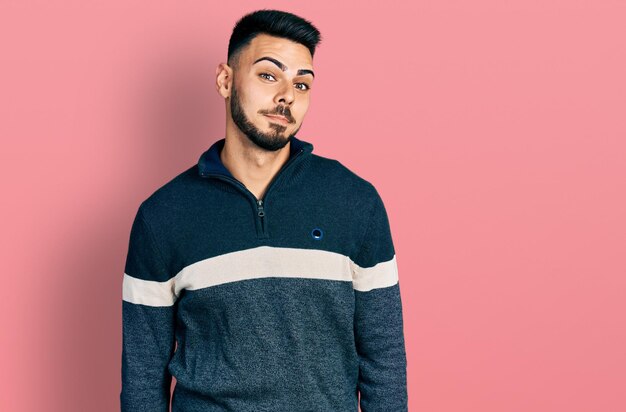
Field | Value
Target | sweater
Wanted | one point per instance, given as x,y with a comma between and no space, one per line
286,303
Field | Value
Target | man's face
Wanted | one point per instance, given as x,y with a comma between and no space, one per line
273,78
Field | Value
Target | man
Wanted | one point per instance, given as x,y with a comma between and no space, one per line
269,269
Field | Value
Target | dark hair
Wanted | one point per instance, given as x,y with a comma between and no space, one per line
274,23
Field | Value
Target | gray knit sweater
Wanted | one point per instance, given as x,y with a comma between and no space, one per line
286,303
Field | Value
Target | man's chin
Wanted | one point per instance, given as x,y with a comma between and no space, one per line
272,144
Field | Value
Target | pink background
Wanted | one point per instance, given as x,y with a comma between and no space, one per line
494,131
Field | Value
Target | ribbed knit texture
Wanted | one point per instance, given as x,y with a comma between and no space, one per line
289,305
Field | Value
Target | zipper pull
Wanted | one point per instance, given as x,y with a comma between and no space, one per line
260,208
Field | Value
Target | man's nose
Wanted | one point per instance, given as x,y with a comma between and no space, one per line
286,95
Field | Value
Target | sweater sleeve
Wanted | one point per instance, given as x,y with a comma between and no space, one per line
149,318
378,323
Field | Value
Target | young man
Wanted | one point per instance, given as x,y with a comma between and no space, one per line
271,270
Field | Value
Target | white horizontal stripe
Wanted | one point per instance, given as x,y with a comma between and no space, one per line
259,262
381,275
148,292
262,262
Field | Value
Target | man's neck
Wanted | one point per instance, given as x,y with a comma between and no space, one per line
252,165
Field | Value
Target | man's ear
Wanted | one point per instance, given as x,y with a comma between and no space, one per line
223,79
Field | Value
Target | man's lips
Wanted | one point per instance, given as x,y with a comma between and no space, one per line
278,117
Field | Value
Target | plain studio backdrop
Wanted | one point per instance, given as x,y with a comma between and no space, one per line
494,130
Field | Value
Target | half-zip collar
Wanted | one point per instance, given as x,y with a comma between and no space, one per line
210,166
210,163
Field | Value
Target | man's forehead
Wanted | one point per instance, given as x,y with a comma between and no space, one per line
285,50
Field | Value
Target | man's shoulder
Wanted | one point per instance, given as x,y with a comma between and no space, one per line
333,170
173,192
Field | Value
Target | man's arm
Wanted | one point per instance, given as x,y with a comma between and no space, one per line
149,319
378,319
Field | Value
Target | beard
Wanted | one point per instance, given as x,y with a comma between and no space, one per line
271,141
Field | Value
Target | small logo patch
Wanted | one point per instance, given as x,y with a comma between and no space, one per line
317,233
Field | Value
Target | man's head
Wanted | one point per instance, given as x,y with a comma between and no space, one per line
269,72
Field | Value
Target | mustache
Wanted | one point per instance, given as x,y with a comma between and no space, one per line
281,111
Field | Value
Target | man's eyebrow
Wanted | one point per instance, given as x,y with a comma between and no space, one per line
282,66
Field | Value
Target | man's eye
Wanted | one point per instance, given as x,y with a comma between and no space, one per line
306,86
266,74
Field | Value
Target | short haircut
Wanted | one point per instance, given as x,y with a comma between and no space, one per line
274,23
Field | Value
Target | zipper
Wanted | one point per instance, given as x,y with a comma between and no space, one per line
261,215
